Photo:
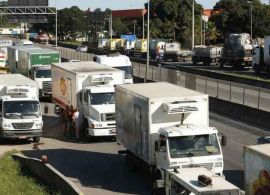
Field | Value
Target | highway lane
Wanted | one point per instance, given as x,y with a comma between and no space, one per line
97,168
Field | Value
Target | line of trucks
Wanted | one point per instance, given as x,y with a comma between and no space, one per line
236,52
160,49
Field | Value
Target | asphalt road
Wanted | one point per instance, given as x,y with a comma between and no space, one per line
97,168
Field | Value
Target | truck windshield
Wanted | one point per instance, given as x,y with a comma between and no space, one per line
21,109
102,98
127,70
44,74
193,146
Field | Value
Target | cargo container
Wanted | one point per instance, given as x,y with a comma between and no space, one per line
206,54
257,169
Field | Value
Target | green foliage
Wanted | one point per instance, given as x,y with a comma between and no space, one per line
13,182
236,17
173,19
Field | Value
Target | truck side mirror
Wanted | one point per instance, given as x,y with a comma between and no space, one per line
223,140
46,109
156,146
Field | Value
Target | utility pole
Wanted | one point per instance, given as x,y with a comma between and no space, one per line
193,24
148,39
56,26
143,26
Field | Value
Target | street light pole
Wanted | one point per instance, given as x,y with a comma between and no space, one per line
148,40
143,26
56,27
193,24
251,18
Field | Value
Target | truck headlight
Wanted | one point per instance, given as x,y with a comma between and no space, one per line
38,125
218,164
6,126
173,163
96,126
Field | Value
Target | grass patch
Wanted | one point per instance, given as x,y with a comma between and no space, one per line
74,42
12,181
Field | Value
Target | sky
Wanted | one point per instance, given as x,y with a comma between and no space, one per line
114,4
117,4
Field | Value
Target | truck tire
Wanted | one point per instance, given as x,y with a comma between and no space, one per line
36,139
194,61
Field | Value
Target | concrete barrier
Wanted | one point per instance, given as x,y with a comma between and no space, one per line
48,175
240,112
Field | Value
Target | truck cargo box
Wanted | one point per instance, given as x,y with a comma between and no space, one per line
153,106
69,78
257,169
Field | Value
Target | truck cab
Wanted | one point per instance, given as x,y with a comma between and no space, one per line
187,146
20,116
98,105
42,75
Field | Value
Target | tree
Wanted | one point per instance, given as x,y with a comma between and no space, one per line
212,33
173,19
235,17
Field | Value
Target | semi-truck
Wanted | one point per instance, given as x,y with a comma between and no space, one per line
21,116
237,51
118,61
261,57
36,64
164,130
173,52
140,48
206,54
88,86
257,169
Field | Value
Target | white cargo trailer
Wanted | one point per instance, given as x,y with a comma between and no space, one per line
88,86
257,169
20,108
118,61
163,125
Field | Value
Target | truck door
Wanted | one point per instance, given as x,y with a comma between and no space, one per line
138,130
69,91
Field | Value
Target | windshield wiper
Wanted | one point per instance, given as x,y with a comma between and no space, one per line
14,114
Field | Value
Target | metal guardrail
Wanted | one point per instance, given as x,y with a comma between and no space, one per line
255,97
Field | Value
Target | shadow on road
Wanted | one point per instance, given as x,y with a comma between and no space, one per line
236,177
96,170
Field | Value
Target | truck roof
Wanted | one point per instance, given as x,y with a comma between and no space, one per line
263,149
40,51
16,79
159,90
84,67
186,130
188,177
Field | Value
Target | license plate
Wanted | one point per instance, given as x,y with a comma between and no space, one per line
22,137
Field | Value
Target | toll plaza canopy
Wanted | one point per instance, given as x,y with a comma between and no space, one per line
131,13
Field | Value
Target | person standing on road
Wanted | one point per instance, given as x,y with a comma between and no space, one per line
75,119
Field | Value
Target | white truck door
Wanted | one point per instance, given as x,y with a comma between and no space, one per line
138,130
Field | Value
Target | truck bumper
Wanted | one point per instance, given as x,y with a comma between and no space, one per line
101,132
21,134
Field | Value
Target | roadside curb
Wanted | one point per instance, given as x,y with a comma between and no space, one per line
48,174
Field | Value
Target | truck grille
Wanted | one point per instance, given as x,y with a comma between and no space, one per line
22,125
110,117
207,166
47,86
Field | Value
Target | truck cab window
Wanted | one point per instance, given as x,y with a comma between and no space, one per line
86,97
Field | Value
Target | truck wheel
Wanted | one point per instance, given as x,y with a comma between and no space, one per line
257,69
130,162
36,139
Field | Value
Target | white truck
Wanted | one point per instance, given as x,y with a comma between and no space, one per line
257,169
206,54
88,86
261,57
163,126
173,52
21,116
36,64
117,61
